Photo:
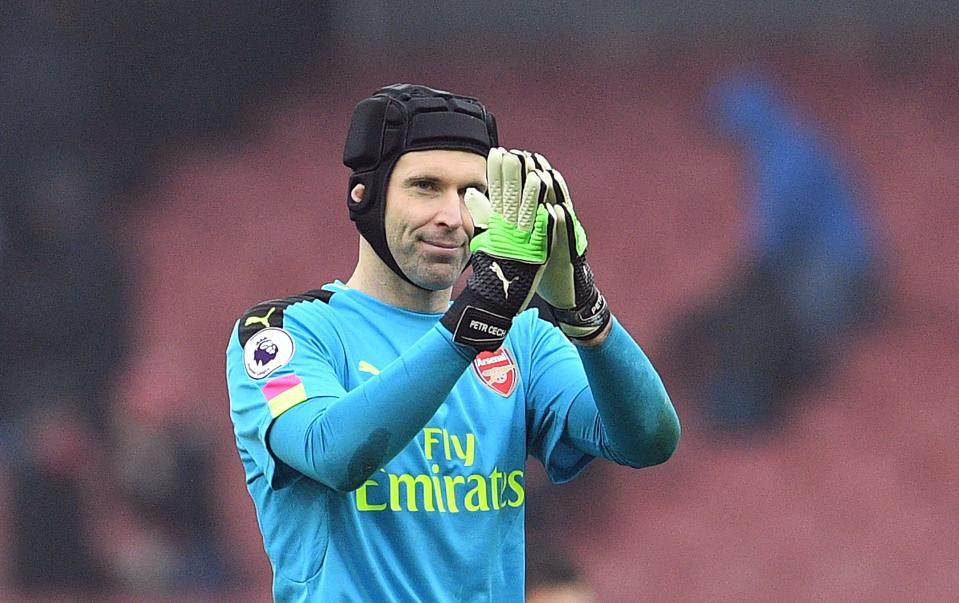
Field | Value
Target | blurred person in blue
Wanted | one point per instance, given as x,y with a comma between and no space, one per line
810,271
384,430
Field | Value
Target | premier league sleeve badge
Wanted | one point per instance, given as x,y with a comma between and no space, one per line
266,351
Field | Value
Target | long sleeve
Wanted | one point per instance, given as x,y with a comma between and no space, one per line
341,441
625,415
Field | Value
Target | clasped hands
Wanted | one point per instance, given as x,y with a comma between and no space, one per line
527,216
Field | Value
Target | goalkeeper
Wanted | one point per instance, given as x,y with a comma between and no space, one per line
384,430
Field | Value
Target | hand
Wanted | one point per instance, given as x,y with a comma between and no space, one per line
509,254
567,283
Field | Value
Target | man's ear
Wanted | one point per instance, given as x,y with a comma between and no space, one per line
357,193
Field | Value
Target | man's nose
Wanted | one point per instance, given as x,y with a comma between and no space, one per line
451,209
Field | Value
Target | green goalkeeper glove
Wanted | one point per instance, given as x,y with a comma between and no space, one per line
509,255
567,283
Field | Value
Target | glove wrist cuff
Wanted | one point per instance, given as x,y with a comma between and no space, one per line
474,325
586,320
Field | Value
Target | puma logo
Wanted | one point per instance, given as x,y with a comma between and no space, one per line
502,277
366,367
263,320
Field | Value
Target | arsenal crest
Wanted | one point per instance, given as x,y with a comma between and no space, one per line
497,370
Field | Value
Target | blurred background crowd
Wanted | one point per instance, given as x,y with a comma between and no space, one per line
770,191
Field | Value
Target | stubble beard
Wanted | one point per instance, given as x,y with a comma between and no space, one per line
435,274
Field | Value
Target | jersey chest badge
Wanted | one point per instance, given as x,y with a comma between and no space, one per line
497,371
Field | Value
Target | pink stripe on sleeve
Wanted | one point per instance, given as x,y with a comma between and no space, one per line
274,388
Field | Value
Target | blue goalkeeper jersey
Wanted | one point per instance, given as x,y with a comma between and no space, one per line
443,519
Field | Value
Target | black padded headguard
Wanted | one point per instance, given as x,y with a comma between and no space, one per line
398,119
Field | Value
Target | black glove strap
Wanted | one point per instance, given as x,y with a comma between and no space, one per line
474,326
495,292
593,314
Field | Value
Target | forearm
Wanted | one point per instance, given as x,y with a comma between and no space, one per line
341,443
637,417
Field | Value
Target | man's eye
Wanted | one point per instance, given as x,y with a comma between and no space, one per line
425,185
